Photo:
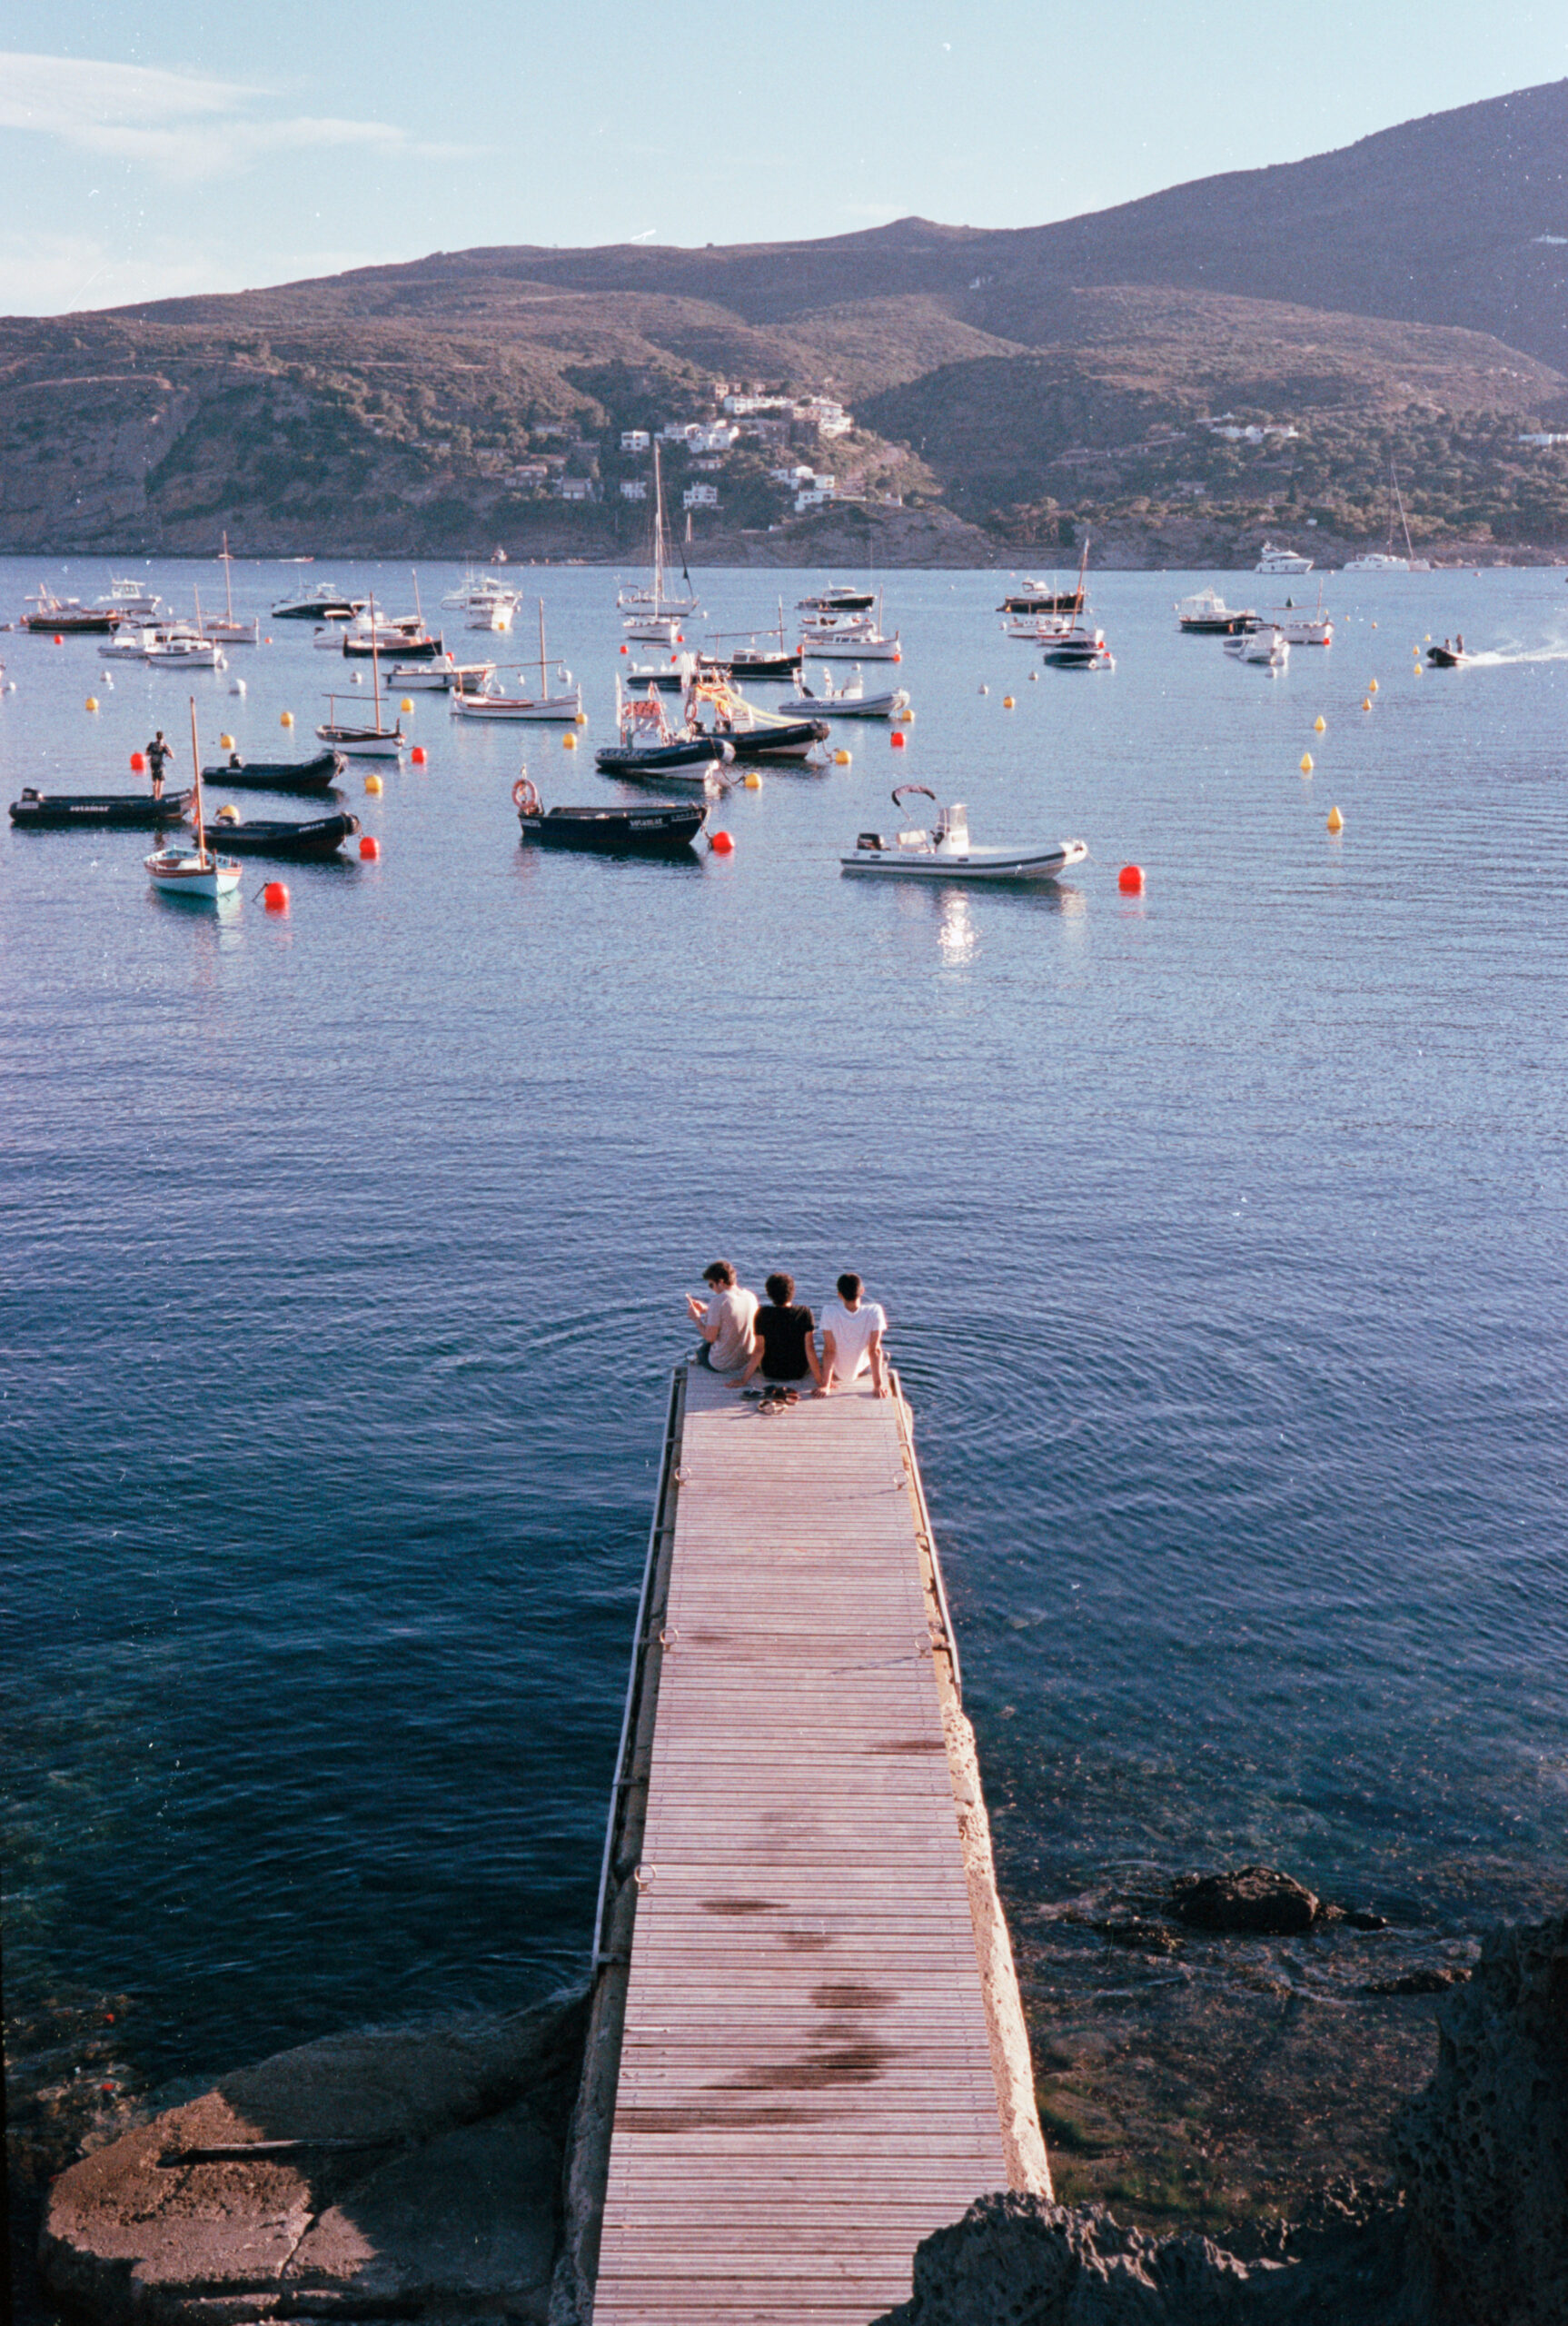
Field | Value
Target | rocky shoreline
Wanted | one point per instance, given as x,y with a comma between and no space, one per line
417,2174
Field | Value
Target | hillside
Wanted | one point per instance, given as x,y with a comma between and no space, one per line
1004,388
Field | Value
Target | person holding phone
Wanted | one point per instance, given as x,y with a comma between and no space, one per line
727,1323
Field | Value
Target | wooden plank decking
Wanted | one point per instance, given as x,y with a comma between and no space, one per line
806,2084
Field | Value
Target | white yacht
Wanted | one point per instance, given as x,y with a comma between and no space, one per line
1280,560
1268,646
1377,560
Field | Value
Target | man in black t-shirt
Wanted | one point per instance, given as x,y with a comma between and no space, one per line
786,1344
159,754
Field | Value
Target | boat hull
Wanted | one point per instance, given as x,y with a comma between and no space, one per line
181,872
563,709
792,741
279,775
763,666
364,742
665,828
60,812
838,706
317,838
702,757
828,649
984,864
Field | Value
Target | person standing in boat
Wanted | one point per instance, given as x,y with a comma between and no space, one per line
159,754
786,1348
852,1330
727,1322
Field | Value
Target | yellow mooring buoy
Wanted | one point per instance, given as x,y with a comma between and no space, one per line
1306,763
1336,821
1320,724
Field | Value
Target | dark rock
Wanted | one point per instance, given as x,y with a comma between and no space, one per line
1150,1938
1256,1901
1362,1918
1020,2261
1433,1979
409,2170
1483,2153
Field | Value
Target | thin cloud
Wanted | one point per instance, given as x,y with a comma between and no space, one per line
181,126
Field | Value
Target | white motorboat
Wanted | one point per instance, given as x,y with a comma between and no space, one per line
1081,648
945,851
329,638
652,630
442,675
838,599
848,701
1377,561
131,642
493,613
1268,646
1280,560
324,603
1299,628
836,644
183,649
476,591
1038,630
130,602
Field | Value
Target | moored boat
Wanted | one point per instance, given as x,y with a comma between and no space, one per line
655,828
752,732
316,837
1206,615
68,616
122,810
198,872
277,775
1280,560
442,674
322,604
1080,649
945,851
836,599
1267,646
848,701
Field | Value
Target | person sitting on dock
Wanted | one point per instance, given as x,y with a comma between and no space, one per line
727,1322
786,1350
852,1330
159,754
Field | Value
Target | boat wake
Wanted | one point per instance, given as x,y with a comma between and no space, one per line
1494,658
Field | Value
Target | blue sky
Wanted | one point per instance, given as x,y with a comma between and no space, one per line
151,152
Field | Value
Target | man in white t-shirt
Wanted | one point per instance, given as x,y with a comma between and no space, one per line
727,1322
852,1330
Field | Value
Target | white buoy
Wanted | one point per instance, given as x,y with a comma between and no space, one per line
236,686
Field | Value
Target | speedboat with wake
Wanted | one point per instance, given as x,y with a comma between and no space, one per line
944,852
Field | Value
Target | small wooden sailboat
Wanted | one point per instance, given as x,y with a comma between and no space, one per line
945,852
489,701
198,872
361,743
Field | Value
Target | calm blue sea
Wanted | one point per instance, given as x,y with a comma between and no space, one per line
1222,1232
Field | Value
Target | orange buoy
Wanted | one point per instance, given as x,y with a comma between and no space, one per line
370,850
897,738
721,844
275,897
59,639
1130,879
285,718
419,755
138,762
626,649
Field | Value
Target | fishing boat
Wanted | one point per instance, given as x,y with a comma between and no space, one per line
1206,615
944,852
127,601
229,627
56,811
656,828
359,741
1280,560
197,871
69,616
753,733
1267,646
838,599
848,701
1037,598
183,649
490,700
1080,649
756,657
657,603
322,604
1299,628
277,775
849,638
651,749
314,839
440,674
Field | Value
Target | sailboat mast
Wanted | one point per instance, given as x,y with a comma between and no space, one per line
375,665
197,781
228,580
542,646
657,534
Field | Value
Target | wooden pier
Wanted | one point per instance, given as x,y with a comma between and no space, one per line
807,2049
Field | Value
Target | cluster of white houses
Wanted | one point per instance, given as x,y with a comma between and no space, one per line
750,413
